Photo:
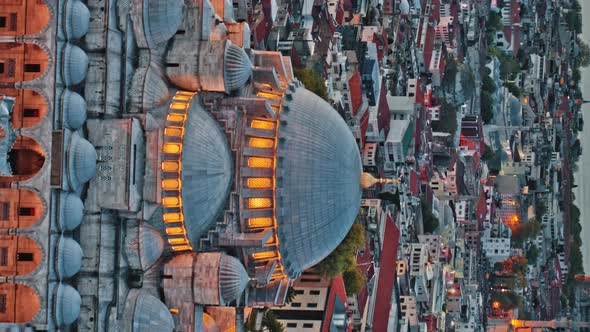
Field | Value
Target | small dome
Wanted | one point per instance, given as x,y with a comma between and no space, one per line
404,7
69,257
209,324
238,67
81,161
73,108
161,19
151,315
151,245
74,64
66,304
233,278
71,211
148,89
76,20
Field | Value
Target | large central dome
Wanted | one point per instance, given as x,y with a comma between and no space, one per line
318,180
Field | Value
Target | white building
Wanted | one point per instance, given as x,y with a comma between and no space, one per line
396,144
496,249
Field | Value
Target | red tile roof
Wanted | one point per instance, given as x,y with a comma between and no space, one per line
383,116
414,183
356,93
387,275
336,289
481,208
364,124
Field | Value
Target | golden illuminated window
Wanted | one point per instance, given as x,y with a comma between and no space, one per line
271,241
259,203
259,182
181,248
177,240
173,148
264,255
260,124
259,162
260,222
173,217
175,117
263,143
171,201
178,106
171,166
182,97
175,231
174,131
267,95
171,184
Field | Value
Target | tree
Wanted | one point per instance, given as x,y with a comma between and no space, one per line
532,254
269,320
343,258
488,85
291,293
526,231
312,81
583,58
429,221
508,300
486,105
488,153
494,22
450,73
448,119
354,281
513,88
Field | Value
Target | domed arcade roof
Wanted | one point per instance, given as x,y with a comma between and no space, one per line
74,64
73,108
71,211
69,257
207,171
161,20
148,89
318,180
233,278
81,161
66,304
77,19
150,314
238,67
151,245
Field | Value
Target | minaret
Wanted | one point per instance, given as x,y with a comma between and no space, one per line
368,180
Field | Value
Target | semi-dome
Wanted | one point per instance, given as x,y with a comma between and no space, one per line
150,314
318,174
233,278
238,67
81,161
71,211
161,20
74,64
69,257
66,304
77,19
148,89
207,171
151,245
73,108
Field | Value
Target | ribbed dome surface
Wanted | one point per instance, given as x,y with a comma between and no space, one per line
151,315
73,108
161,19
76,20
233,278
69,257
71,211
318,180
148,89
81,161
66,304
151,245
207,171
74,64
238,67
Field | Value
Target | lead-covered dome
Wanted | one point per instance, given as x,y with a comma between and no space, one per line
77,19
318,173
74,64
81,161
207,171
156,21
71,211
148,89
69,257
143,245
66,304
238,67
233,278
73,109
149,314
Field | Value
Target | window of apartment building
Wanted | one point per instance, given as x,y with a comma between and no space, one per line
2,303
32,68
299,292
314,292
24,257
295,304
308,325
3,256
291,325
312,305
4,211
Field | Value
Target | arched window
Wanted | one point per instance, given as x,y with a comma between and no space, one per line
19,255
25,159
18,303
21,62
29,107
24,17
19,208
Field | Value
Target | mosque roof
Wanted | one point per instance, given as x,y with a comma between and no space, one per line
71,211
73,108
66,304
69,257
233,278
237,67
161,20
150,314
148,89
77,19
74,64
207,171
151,245
318,174
81,161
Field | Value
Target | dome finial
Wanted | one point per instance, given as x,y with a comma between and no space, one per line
368,180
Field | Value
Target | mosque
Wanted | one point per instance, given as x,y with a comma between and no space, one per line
152,165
